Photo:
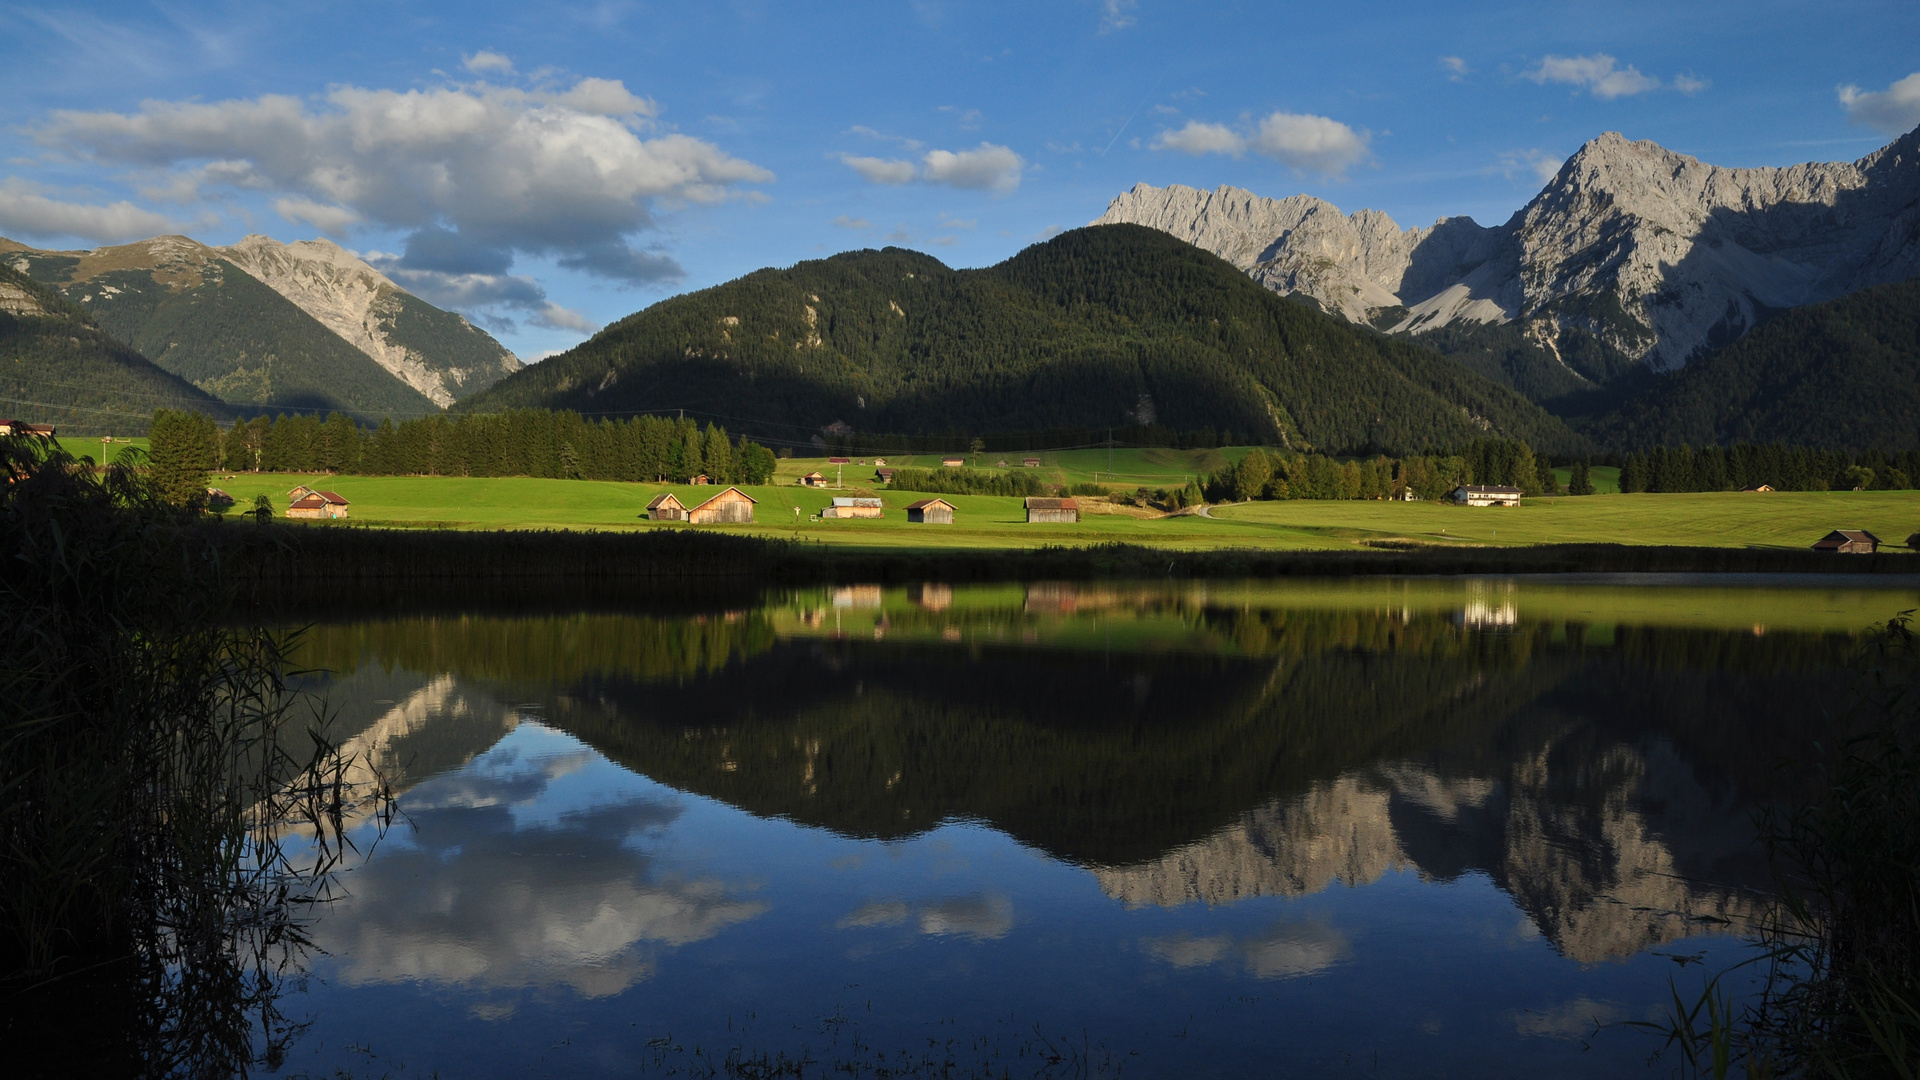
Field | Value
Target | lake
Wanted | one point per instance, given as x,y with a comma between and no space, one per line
1393,828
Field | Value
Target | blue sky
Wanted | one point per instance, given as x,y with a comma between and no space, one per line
550,168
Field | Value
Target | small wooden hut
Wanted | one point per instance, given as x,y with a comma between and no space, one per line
930,512
665,507
318,504
1848,542
1055,510
883,475
1030,463
813,479
1758,487
852,508
732,506
218,500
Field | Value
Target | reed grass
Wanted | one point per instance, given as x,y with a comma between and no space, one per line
162,837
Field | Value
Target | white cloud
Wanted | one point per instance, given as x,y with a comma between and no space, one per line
484,61
1538,164
564,172
1600,74
984,168
1895,110
1688,84
846,222
1315,144
25,211
1117,14
881,170
1455,67
965,119
328,219
1200,138
491,299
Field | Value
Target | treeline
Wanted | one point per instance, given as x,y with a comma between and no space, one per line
524,442
1777,465
1134,435
968,482
1266,474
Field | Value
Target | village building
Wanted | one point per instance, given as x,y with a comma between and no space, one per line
839,461
1030,463
884,476
21,427
1486,495
852,508
299,493
879,461
665,507
930,512
1406,495
1848,542
700,480
952,462
318,504
1053,510
731,506
218,501
1758,487
813,479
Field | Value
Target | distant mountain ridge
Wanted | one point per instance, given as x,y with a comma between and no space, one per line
1631,255
1112,326
267,324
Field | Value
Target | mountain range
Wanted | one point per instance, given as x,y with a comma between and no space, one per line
1118,326
263,324
1632,258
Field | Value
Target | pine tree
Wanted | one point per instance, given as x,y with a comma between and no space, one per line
181,448
1581,483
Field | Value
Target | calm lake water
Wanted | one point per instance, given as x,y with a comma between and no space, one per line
1432,828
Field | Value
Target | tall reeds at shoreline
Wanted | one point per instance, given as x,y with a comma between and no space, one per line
148,905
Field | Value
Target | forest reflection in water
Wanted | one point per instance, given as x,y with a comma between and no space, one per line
1139,797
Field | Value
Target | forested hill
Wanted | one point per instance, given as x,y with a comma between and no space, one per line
1843,374
57,367
1111,326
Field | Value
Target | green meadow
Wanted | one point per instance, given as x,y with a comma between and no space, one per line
1717,519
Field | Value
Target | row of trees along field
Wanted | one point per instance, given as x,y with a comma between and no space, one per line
524,442
1777,465
1269,474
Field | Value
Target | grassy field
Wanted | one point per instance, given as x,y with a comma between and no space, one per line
1120,466
1721,519
103,453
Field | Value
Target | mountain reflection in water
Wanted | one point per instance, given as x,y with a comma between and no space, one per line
748,809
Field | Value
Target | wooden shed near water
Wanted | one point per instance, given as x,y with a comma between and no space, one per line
930,512
1848,542
731,507
1053,510
852,508
665,507
318,504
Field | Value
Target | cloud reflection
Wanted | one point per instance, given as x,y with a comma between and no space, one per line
480,901
1286,950
979,916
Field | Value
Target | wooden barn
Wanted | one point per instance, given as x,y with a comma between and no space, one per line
21,427
218,500
952,462
883,475
1486,495
318,504
665,507
1848,542
731,506
813,479
1758,487
852,508
930,512
1030,463
1056,510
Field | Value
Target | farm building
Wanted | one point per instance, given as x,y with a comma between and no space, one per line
879,461
1484,495
1030,463
21,427
1058,510
299,493
700,479
884,476
318,504
1848,542
952,462
731,506
852,508
1758,487
930,512
665,507
839,461
218,501
813,479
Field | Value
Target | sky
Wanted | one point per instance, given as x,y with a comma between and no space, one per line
547,169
